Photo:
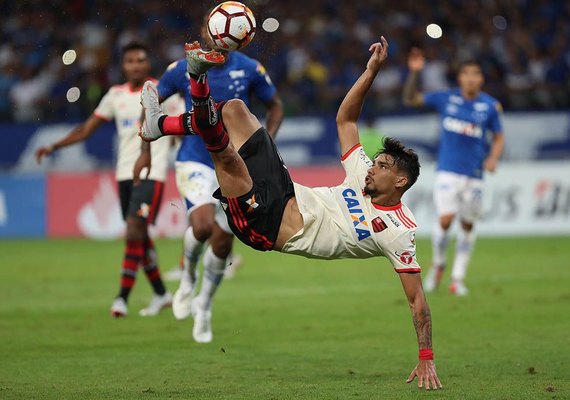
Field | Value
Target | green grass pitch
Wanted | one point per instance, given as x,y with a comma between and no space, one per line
284,328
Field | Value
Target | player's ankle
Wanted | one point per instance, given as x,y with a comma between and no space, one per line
218,144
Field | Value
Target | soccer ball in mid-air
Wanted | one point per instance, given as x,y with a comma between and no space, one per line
231,25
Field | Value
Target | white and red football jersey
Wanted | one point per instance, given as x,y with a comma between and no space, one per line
342,222
122,104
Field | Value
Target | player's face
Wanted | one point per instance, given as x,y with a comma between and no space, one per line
470,78
382,177
136,65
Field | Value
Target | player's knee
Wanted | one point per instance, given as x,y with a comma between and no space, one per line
235,111
445,222
467,226
136,229
202,231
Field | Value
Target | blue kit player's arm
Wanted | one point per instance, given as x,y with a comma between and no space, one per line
411,95
169,83
498,143
265,91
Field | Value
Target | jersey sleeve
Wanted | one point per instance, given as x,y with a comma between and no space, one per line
402,252
435,99
356,164
262,85
167,84
105,110
495,123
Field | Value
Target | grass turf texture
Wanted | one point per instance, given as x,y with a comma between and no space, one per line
284,328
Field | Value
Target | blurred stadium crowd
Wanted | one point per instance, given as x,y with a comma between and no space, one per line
315,55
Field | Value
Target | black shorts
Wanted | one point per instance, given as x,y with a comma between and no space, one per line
142,201
255,217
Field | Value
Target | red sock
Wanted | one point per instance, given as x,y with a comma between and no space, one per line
199,87
215,136
173,125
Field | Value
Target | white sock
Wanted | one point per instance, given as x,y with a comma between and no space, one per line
213,275
440,241
465,242
192,251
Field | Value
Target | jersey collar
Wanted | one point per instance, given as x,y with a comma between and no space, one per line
391,208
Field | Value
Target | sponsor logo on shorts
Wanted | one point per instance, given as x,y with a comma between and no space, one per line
144,210
356,213
252,204
406,256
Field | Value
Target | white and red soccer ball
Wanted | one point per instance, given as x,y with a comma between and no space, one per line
231,25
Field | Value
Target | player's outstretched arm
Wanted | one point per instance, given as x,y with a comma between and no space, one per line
425,370
411,96
78,134
349,110
274,115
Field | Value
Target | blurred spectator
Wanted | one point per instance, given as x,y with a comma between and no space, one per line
314,57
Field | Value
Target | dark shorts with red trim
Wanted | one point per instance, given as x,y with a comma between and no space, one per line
141,201
255,217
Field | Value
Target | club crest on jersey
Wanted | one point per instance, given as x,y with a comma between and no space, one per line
378,225
356,213
406,256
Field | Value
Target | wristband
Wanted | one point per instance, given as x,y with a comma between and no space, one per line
426,354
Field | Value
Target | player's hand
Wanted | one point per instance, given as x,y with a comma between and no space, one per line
490,164
379,54
43,151
142,162
427,377
416,60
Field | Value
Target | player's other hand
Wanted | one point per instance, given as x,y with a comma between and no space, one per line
142,162
427,377
43,151
379,54
416,60
490,164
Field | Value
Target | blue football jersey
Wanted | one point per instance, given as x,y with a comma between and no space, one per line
239,78
466,129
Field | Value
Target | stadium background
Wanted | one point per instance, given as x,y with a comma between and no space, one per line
313,58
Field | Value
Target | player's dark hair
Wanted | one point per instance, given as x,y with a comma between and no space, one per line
471,62
405,159
134,46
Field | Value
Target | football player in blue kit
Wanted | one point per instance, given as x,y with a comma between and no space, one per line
471,142
239,77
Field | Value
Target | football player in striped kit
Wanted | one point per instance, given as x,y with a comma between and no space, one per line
360,218
139,203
